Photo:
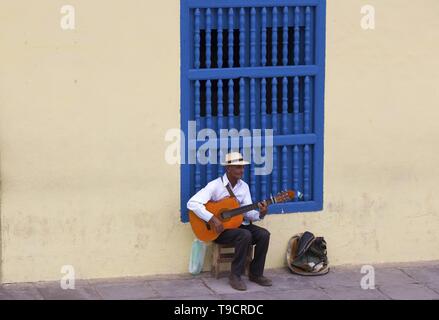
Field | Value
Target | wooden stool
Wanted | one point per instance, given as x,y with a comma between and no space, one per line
219,256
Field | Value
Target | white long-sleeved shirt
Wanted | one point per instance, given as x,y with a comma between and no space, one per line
216,190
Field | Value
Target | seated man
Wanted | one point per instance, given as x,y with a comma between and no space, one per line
247,233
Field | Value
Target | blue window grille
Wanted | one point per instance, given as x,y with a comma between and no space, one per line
257,64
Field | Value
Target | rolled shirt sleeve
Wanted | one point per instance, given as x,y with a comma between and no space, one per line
252,215
198,201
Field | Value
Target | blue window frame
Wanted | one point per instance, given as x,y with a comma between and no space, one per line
257,64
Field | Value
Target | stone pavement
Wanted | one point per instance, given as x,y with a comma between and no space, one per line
392,281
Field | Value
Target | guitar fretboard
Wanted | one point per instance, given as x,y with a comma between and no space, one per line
244,209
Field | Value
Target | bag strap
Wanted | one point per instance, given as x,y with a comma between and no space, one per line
229,189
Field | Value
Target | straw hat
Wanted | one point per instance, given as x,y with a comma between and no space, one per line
234,159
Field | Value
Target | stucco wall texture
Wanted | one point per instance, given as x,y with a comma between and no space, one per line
83,116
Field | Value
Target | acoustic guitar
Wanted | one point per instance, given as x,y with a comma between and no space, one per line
228,211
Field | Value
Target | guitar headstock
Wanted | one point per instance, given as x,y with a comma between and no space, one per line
288,195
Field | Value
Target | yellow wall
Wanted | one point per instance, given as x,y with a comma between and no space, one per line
83,116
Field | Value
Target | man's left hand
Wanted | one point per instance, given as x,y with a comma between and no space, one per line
262,209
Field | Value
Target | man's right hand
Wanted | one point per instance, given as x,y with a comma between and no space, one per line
216,224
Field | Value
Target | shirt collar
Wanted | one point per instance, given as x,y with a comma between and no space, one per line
226,181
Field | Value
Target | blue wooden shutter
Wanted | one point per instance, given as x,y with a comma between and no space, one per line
257,64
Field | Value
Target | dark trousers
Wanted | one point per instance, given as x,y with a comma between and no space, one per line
242,237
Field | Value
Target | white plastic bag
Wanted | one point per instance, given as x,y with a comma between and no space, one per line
198,253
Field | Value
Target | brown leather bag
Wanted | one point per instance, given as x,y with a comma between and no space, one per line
307,255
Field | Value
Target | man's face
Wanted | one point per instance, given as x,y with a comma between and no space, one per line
236,171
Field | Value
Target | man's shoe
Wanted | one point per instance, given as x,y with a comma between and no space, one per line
261,280
237,283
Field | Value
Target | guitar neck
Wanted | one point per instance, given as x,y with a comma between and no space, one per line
244,209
